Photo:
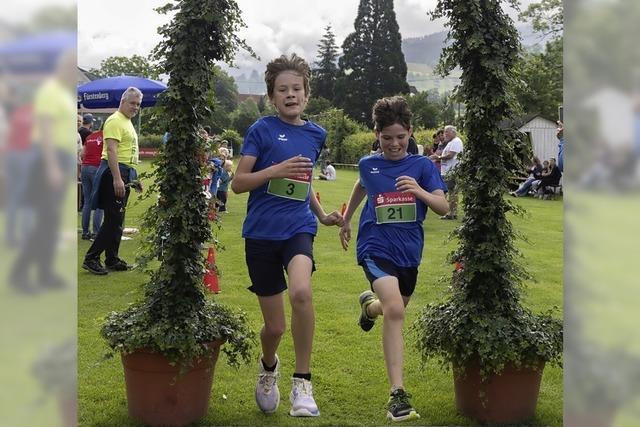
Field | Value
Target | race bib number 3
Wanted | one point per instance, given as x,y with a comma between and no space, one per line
295,188
395,207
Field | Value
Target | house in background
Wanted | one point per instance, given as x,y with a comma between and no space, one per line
542,134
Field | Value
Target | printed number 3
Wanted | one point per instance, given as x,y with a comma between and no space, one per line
392,213
290,188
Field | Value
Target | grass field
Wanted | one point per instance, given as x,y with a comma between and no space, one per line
349,378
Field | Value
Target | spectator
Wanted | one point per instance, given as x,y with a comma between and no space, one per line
223,188
329,173
91,156
85,128
114,178
449,161
548,179
535,173
560,136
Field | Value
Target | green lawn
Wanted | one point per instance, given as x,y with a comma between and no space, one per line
349,378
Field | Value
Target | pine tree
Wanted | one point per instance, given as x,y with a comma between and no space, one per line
373,65
324,76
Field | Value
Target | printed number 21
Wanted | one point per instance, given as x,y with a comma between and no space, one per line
392,213
290,188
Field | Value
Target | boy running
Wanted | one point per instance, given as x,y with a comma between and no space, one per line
399,187
278,155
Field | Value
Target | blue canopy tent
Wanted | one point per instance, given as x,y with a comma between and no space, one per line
106,93
36,53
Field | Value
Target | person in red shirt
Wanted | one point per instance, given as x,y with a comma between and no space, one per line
91,154
17,162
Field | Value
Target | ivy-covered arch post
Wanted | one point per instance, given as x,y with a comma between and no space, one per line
174,318
482,319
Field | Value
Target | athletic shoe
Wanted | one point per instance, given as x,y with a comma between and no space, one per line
365,300
267,393
94,266
301,398
399,408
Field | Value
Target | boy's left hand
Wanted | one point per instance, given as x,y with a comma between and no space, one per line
409,184
334,218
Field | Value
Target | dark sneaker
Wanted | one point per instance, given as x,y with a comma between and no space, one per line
86,236
365,300
119,265
399,408
94,266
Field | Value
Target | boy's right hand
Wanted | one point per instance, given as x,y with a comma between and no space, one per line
345,235
291,167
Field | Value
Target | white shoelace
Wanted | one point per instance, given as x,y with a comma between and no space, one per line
267,380
304,388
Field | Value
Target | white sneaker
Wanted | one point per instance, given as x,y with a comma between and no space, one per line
301,397
267,393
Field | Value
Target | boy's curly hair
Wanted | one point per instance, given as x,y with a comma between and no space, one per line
389,111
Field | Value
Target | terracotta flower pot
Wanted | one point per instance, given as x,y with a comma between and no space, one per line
158,396
508,398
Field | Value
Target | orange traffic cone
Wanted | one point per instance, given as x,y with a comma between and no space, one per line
211,276
318,196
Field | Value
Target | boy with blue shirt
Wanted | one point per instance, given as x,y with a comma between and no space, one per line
399,187
276,168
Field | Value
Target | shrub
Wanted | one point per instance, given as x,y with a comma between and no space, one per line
150,141
356,146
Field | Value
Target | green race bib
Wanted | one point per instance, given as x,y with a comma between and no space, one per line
295,188
395,207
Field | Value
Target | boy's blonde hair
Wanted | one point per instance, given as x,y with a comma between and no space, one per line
283,63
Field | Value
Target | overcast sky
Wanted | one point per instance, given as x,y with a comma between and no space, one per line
127,27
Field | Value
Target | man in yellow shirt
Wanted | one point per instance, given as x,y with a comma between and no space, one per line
50,173
115,174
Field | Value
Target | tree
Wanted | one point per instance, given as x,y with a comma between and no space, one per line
546,17
540,89
317,105
425,109
223,100
246,114
372,65
136,65
541,73
324,76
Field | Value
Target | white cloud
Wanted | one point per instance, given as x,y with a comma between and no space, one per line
127,27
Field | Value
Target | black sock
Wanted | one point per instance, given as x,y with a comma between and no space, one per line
269,368
304,376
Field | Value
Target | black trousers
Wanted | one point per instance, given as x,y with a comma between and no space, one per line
110,233
40,244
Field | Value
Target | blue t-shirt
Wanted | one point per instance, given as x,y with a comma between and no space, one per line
378,234
271,141
215,175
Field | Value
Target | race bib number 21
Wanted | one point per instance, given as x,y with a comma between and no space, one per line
395,207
